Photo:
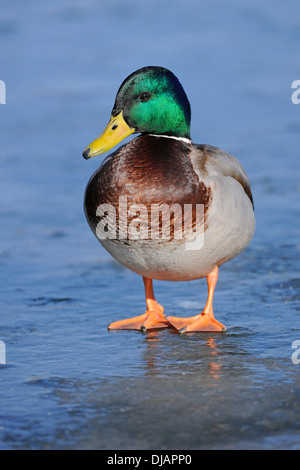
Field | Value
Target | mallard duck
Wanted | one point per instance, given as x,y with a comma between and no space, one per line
162,172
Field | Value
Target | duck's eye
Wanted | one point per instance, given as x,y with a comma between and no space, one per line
145,96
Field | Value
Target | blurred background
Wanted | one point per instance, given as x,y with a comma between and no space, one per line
68,383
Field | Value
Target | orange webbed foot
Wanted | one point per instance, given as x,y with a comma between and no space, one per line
205,321
202,322
134,323
153,318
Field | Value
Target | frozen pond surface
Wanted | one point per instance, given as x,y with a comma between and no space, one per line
68,382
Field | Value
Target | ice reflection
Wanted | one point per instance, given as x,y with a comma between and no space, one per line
214,366
169,352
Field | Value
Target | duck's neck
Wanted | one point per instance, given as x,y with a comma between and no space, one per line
181,139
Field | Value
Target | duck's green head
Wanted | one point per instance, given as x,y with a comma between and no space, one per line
150,101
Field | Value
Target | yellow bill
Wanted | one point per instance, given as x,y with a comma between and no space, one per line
116,130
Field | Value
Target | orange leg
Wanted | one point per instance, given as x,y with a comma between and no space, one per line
151,319
205,321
